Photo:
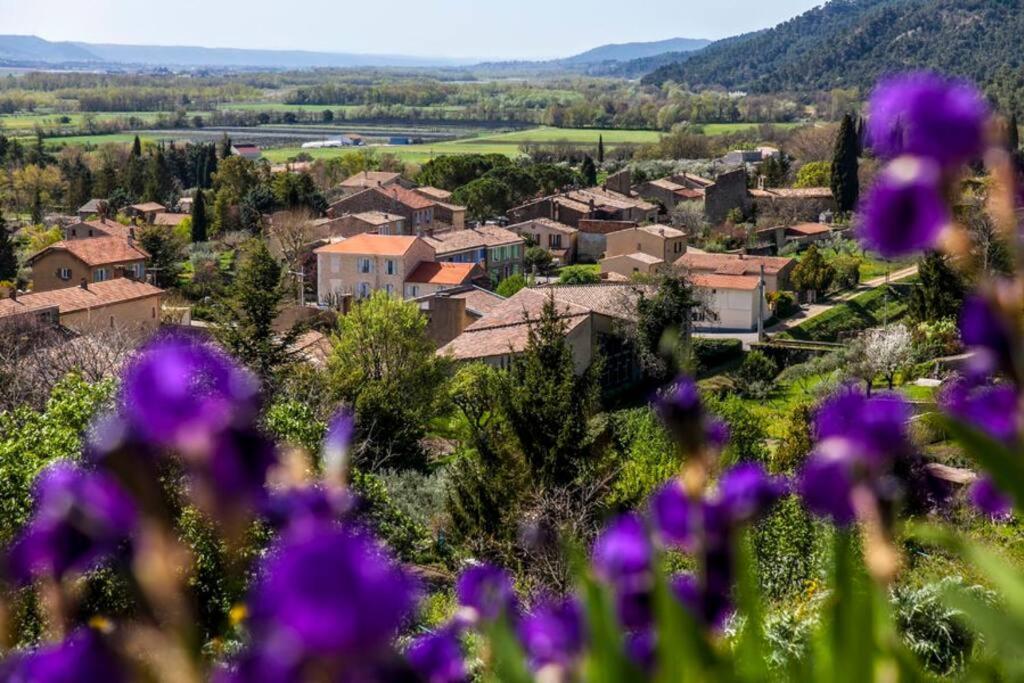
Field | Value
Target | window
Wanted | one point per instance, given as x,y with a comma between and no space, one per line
364,290
100,275
390,289
678,247
390,267
64,273
412,291
365,265
139,269
555,241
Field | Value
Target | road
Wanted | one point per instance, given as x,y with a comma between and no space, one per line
810,311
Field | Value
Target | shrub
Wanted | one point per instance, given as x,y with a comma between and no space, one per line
757,368
936,633
578,275
782,304
710,353
511,285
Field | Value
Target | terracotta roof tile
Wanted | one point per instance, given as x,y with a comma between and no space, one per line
71,299
169,218
430,273
149,206
733,264
546,222
808,229
368,179
714,281
97,251
365,243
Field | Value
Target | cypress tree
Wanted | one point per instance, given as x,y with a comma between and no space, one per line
199,220
589,171
225,147
37,207
8,259
600,149
845,183
1013,134
137,147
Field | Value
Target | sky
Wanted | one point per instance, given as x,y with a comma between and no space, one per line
509,29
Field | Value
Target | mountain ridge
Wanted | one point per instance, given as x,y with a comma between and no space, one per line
852,43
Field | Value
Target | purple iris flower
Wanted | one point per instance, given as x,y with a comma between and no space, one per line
992,409
437,657
984,328
181,394
826,480
488,591
623,554
308,506
927,115
553,633
80,518
904,212
990,500
330,592
82,656
747,491
641,648
877,426
336,444
675,516
234,474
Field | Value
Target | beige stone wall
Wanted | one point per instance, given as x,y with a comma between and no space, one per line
139,315
628,266
543,235
44,271
735,309
339,274
668,249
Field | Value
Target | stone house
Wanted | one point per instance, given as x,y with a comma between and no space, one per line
660,241
120,303
777,269
595,203
102,227
365,263
417,210
557,238
146,212
367,179
499,252
731,302
592,241
93,259
793,204
629,265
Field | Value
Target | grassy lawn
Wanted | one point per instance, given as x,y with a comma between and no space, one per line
867,310
725,128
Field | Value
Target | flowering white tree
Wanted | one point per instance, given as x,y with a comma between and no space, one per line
888,350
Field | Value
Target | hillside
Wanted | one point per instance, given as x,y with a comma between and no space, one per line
849,43
32,50
630,51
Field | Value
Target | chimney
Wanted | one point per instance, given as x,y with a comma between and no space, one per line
84,284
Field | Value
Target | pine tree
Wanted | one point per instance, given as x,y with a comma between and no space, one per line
8,257
137,147
589,171
1013,134
199,219
158,178
245,319
600,149
845,182
940,292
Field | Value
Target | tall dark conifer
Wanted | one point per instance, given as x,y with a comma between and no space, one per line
199,219
589,171
1013,134
8,258
845,183
137,147
600,149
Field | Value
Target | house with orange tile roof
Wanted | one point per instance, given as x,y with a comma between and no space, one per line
146,212
101,227
120,303
366,263
430,277
92,259
367,179
499,251
557,238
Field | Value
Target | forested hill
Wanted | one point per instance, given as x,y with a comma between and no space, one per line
852,42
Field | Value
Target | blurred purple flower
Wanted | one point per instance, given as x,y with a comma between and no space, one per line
437,657
992,409
308,506
826,480
181,394
82,656
747,491
553,633
488,591
330,592
336,444
80,518
233,477
927,115
904,212
716,433
990,500
984,328
877,426
640,648
623,554
674,515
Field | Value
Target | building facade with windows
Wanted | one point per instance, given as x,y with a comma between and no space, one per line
92,259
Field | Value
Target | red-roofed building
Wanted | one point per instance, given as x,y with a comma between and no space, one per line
92,259
417,210
120,303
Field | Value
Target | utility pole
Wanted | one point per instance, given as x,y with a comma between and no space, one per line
301,273
760,306
885,299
